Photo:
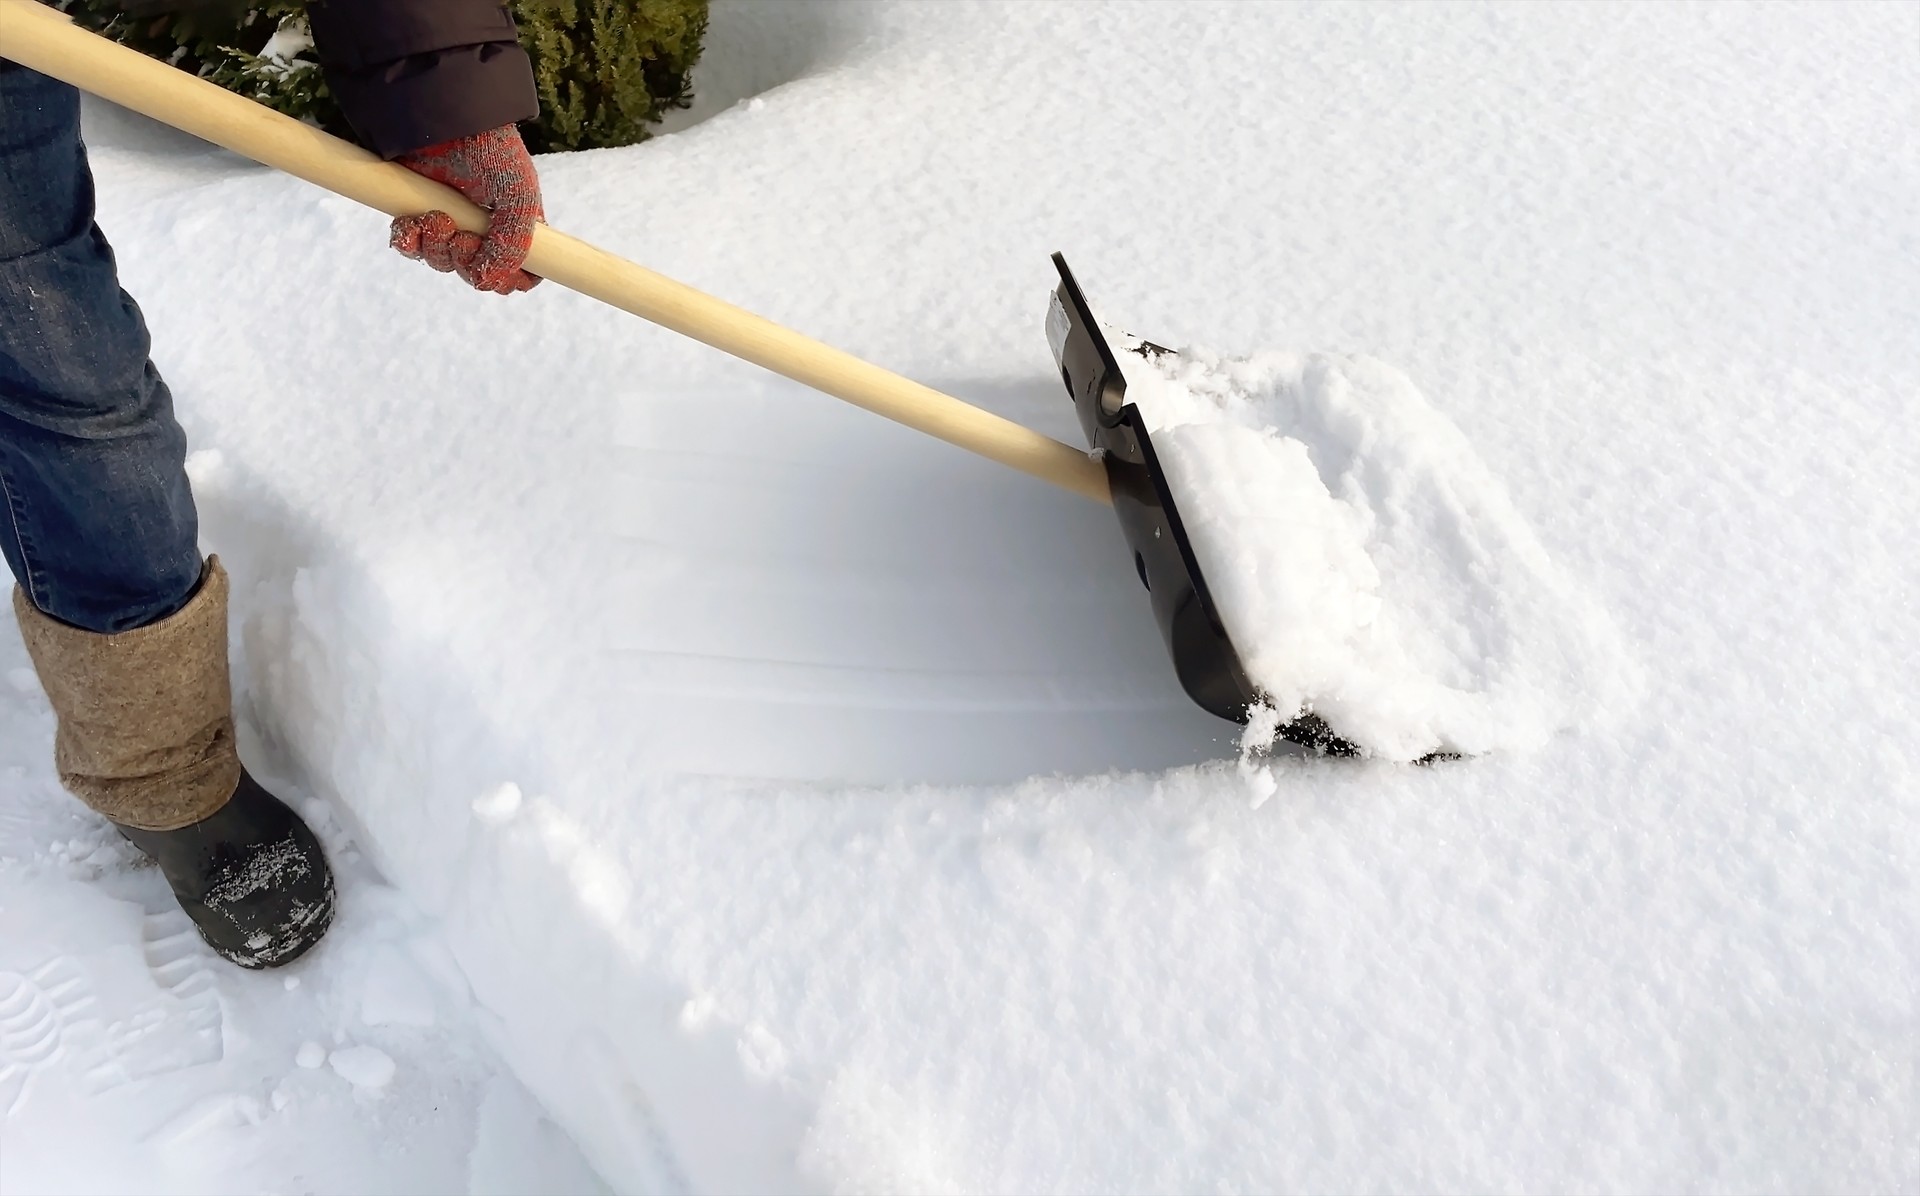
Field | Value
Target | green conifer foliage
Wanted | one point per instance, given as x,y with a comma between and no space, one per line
605,69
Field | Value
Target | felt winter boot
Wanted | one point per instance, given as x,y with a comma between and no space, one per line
145,737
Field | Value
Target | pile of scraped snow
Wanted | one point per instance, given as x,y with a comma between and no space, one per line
863,840
1367,564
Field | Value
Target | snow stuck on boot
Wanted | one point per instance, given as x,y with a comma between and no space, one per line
1367,564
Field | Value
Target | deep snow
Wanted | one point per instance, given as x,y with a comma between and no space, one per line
1366,564
813,875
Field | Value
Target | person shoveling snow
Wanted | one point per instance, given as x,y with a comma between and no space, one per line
125,621
1309,624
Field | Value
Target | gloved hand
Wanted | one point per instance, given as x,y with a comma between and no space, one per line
493,170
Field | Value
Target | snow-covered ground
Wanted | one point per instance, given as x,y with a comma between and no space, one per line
791,803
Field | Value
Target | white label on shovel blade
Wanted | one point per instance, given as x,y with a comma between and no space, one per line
1057,330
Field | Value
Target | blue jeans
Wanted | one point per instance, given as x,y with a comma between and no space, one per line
99,527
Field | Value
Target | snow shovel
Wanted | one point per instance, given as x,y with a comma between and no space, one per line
1203,655
1124,472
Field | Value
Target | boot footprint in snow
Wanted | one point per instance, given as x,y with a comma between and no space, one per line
251,876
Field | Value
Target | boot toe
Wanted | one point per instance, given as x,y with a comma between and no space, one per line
252,876
269,906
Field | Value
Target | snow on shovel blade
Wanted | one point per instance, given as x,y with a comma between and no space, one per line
1204,658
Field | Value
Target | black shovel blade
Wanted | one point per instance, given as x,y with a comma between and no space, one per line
1203,656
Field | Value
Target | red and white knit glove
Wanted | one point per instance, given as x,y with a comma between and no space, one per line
493,170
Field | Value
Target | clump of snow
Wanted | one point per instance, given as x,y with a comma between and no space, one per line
310,1055
497,806
289,51
291,40
363,1066
1368,566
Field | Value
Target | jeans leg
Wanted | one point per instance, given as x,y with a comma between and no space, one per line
98,525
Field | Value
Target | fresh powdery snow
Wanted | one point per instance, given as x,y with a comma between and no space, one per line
735,792
1367,565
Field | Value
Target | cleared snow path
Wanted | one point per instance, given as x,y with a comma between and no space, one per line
134,1060
1654,263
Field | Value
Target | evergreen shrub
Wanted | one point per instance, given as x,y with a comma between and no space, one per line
606,69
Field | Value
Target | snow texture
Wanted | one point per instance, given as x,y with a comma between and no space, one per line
497,806
865,841
1366,564
364,1067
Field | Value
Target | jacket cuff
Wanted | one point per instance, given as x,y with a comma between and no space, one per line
411,104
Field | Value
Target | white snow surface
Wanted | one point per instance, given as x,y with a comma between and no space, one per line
365,1067
132,1059
858,837
1366,564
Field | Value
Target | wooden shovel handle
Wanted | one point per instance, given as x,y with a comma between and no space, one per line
43,39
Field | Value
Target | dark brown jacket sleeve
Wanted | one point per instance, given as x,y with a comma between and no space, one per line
413,73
